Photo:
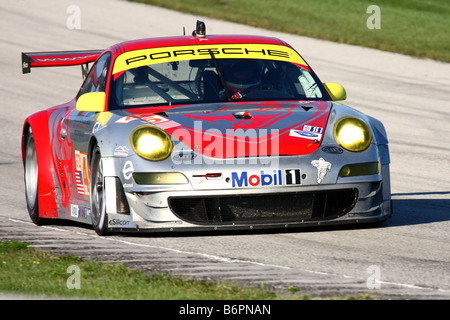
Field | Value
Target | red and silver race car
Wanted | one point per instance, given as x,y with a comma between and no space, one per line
202,132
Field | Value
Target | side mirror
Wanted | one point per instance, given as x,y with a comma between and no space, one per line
336,91
92,102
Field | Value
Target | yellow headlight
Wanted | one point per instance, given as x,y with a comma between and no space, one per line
352,134
151,143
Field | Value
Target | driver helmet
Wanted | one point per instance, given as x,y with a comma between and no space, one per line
242,75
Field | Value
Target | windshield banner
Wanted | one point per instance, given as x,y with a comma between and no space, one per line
139,58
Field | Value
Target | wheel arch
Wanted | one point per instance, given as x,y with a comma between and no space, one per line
92,143
38,123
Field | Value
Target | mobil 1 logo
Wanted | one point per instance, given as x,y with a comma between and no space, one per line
287,177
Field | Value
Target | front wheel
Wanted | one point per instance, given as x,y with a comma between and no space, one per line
97,191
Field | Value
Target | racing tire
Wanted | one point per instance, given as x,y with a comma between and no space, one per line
97,199
31,178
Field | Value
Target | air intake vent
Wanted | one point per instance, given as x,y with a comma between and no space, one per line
291,207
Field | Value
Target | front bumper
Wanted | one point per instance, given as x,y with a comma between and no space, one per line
283,196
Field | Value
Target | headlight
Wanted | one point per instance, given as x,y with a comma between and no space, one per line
151,143
352,134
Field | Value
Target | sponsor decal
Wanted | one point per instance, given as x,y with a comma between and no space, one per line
322,168
307,132
120,221
79,212
101,120
128,170
287,177
74,210
312,129
121,151
97,126
82,173
139,58
75,58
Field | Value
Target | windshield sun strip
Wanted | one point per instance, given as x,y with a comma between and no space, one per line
144,57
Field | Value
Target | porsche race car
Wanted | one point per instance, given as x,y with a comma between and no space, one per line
202,132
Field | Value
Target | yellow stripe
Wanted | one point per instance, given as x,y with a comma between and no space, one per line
144,57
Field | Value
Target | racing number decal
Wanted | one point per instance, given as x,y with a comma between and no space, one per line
82,173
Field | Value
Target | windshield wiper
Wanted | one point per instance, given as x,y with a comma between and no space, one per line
219,74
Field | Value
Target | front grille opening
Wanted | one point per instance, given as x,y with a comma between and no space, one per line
291,207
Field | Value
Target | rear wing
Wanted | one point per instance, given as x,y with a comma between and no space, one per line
59,59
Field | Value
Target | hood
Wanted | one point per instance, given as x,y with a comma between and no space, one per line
229,130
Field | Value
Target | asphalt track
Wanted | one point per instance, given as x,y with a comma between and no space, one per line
409,254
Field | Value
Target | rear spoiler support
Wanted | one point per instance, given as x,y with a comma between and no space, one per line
59,59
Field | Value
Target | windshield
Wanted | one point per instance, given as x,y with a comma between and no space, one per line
214,80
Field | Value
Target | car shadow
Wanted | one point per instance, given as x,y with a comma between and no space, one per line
418,211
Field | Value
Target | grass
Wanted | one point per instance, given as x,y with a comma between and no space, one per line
29,271
413,27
